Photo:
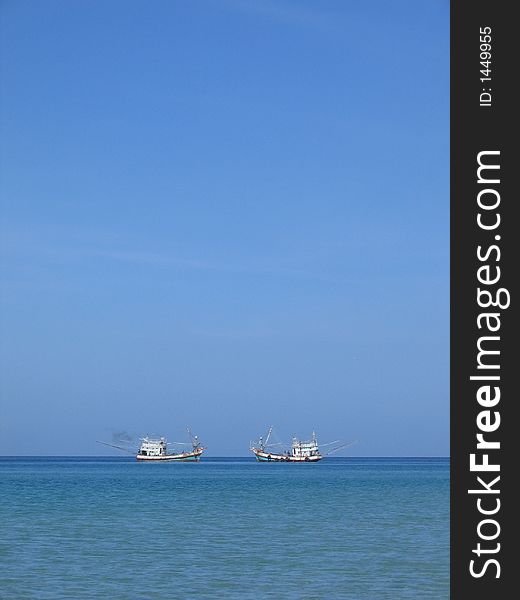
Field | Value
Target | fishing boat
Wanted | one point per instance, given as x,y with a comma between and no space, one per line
299,452
156,449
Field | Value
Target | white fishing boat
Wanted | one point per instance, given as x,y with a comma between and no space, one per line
156,449
299,451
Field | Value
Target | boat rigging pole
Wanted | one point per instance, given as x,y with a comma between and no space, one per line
118,447
339,448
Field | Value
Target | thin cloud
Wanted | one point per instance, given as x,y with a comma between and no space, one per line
152,258
287,13
165,260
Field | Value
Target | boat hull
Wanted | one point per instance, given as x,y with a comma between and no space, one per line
183,457
271,457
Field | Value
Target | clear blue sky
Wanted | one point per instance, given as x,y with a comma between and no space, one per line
227,214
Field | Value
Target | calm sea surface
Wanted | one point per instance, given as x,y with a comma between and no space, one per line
224,528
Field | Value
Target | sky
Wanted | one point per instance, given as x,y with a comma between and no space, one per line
226,214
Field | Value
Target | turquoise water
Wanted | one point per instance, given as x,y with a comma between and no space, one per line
224,528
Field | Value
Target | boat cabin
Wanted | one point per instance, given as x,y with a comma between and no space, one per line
151,447
305,449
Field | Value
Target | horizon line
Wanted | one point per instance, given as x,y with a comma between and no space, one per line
225,456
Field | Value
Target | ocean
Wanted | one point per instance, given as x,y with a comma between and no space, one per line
113,528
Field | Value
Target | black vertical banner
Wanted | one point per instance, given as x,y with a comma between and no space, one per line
484,244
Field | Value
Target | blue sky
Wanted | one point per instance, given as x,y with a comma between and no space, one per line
227,214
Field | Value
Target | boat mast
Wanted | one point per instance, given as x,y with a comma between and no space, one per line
268,435
194,439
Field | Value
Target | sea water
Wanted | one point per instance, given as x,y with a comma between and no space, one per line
114,528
